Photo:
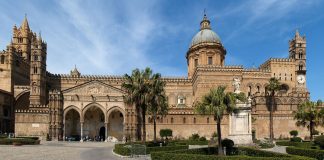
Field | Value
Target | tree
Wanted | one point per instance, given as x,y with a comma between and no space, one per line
157,100
310,115
137,89
272,87
217,103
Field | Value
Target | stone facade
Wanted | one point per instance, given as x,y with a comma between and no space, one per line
64,105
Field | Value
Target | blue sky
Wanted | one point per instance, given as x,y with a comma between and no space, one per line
114,37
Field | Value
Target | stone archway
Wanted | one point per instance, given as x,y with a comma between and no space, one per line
93,121
72,128
116,124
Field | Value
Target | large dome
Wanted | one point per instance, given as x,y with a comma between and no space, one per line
205,35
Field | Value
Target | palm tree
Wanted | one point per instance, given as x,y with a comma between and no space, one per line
157,100
310,115
137,89
217,103
272,87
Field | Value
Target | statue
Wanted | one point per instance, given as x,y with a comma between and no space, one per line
236,84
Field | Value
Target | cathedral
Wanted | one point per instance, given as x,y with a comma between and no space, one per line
35,102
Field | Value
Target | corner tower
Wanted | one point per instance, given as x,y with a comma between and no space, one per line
205,48
38,72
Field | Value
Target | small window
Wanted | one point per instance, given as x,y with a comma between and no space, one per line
300,56
258,88
35,70
250,91
196,62
20,40
2,59
184,120
35,58
171,119
210,60
208,120
194,120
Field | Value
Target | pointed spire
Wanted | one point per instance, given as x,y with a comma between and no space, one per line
297,33
205,23
40,36
25,24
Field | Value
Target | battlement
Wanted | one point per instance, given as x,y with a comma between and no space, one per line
31,111
38,106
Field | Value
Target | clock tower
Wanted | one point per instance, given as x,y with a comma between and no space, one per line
297,51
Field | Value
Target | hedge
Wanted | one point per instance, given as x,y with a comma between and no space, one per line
9,141
125,150
34,138
314,153
209,154
296,144
169,156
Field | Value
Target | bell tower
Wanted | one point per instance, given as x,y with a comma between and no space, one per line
38,72
297,51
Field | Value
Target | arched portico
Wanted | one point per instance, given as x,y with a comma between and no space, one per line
71,123
116,120
93,122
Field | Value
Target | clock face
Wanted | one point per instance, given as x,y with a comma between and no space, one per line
301,79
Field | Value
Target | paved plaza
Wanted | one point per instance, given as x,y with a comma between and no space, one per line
60,151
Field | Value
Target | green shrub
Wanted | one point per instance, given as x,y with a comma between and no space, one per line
23,141
166,133
34,138
228,143
191,142
202,139
293,133
259,153
122,149
194,137
319,141
265,144
172,156
314,153
296,139
164,149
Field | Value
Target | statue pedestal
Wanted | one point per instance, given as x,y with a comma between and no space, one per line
240,124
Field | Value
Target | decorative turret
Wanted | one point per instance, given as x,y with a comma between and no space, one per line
75,72
205,48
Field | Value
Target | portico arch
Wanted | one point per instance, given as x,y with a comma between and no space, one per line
71,123
93,122
116,120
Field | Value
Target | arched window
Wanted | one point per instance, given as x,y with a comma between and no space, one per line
300,67
194,120
184,120
2,59
171,119
207,119
258,89
210,60
300,55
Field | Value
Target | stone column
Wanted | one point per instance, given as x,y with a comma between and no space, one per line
106,132
63,130
81,126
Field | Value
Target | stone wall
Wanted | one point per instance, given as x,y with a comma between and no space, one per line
31,124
